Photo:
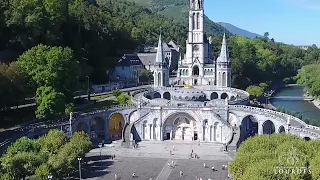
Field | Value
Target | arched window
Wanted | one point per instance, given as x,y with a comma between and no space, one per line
198,21
159,79
224,79
194,21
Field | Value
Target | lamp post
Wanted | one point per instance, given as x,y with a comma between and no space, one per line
50,176
267,95
70,123
79,159
88,90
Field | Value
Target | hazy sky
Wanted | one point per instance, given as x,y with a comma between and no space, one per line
289,21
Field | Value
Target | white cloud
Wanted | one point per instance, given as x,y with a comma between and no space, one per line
306,4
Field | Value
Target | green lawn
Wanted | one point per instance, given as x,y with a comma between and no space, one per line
97,98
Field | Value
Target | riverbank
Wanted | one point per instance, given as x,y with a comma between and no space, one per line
315,101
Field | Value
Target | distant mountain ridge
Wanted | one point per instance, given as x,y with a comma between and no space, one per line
238,31
178,9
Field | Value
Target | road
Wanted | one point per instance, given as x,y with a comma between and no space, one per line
91,95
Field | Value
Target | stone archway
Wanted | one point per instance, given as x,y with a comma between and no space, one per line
116,124
195,71
248,127
82,127
307,138
156,95
281,129
167,96
214,95
268,127
180,126
97,127
224,96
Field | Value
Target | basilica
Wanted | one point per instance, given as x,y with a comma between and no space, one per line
198,104
199,66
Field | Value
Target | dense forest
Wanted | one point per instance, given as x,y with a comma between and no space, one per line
58,43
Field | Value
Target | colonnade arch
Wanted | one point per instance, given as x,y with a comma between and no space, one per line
248,127
214,95
224,96
116,124
167,96
180,126
157,95
268,127
98,126
82,126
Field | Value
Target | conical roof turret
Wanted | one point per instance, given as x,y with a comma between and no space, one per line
224,53
160,58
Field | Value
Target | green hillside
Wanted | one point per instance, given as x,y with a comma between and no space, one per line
178,9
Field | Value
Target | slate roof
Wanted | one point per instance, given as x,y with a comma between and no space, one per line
129,60
147,58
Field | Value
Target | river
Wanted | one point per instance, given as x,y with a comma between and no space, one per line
305,108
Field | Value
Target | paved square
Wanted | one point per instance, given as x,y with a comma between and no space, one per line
151,160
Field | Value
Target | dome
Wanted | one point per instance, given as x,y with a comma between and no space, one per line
188,93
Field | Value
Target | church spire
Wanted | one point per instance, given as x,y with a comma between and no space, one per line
160,53
224,53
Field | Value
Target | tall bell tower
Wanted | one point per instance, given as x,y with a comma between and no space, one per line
196,39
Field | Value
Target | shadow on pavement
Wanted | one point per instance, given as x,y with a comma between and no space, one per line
96,166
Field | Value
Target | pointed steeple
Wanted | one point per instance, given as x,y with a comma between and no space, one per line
224,53
160,58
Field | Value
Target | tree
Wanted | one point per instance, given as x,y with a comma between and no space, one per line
65,162
146,76
51,67
50,153
116,93
123,98
50,103
53,141
259,157
15,83
255,91
22,158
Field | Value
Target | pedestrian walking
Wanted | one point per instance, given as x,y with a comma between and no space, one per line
199,142
114,156
204,165
181,173
115,176
213,168
170,152
172,163
173,148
